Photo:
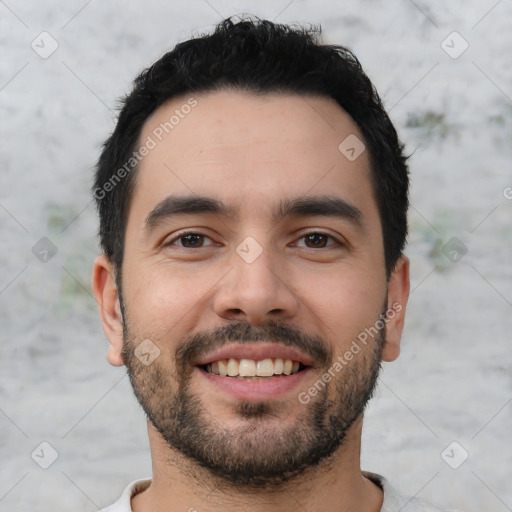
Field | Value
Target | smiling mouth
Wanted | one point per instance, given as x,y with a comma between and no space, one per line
255,370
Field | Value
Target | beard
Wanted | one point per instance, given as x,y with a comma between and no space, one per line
262,450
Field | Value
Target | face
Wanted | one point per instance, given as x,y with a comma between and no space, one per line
253,266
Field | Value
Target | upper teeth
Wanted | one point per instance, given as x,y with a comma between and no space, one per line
252,368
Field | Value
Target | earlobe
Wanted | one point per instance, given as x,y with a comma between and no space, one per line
107,297
398,294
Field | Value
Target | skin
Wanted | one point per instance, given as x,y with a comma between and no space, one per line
252,152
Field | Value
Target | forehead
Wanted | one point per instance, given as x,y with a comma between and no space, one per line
250,149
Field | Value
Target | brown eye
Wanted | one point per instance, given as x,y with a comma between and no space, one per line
318,240
193,240
190,241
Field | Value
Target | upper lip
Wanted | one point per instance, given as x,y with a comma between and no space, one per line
256,351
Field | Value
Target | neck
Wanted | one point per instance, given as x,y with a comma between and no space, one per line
179,484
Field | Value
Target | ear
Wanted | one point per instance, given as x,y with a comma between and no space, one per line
107,297
398,293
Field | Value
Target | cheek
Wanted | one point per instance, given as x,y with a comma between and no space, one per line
345,301
160,297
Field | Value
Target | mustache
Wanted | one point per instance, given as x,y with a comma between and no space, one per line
202,343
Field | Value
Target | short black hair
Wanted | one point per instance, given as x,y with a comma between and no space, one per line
256,56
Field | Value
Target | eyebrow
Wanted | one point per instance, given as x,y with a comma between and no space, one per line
327,206
185,205
302,206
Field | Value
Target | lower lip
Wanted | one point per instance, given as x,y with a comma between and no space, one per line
256,389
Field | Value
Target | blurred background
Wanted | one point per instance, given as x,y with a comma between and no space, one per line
72,435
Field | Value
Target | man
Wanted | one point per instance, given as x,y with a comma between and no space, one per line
253,200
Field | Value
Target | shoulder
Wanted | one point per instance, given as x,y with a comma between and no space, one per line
394,501
123,504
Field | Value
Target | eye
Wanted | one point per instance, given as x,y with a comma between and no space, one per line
190,240
318,240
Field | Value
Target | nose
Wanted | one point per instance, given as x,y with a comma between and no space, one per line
256,292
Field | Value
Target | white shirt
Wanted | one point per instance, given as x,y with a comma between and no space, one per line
393,501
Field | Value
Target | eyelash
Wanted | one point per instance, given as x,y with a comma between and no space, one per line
187,233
